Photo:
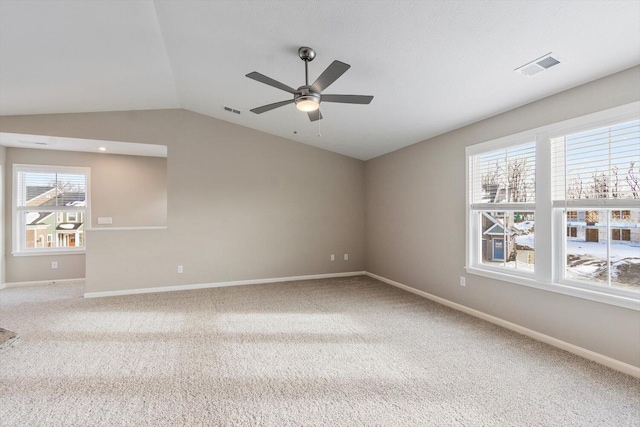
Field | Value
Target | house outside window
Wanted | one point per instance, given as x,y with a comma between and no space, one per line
579,215
43,196
626,214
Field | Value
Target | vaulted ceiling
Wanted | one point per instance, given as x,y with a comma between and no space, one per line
432,66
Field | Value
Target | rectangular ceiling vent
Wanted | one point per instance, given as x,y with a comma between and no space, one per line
32,142
231,110
543,63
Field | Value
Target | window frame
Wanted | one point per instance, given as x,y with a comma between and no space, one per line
19,228
551,226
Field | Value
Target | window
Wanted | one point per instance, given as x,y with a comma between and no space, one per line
558,207
620,214
503,208
600,168
43,197
623,234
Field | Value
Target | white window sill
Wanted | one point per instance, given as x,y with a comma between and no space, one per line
50,252
621,298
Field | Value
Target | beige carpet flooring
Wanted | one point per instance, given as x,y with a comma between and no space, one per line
338,352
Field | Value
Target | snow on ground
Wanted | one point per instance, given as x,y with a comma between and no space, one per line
527,237
525,226
599,250
587,261
592,249
526,240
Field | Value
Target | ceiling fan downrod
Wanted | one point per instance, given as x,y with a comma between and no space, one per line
306,54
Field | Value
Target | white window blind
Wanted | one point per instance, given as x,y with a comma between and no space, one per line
505,176
600,167
47,189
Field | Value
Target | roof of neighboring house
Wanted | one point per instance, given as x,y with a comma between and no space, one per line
68,226
35,191
33,219
490,218
66,199
497,230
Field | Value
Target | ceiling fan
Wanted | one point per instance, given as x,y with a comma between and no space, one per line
308,97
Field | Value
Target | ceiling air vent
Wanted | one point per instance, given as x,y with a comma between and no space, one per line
32,142
543,63
231,110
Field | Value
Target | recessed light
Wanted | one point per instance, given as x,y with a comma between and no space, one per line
102,148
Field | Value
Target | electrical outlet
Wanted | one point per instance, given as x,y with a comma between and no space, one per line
346,257
180,269
463,282
54,264
332,257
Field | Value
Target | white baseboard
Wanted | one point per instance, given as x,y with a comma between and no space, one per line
571,348
2,286
42,282
218,284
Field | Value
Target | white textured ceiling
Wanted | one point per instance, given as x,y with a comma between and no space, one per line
432,66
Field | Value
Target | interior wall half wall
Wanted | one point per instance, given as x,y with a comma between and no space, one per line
132,190
242,204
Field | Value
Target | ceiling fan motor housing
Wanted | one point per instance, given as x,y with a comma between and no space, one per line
304,93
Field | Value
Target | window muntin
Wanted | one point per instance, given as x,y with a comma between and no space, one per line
44,196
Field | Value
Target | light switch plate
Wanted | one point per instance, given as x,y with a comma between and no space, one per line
105,220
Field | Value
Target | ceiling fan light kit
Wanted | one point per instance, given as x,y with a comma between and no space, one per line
308,97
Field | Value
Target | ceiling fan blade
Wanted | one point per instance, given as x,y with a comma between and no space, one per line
330,75
270,107
269,81
315,115
348,99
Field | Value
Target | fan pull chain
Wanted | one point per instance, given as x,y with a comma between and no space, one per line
319,134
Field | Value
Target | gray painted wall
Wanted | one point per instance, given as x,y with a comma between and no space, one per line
415,222
130,189
3,163
241,204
